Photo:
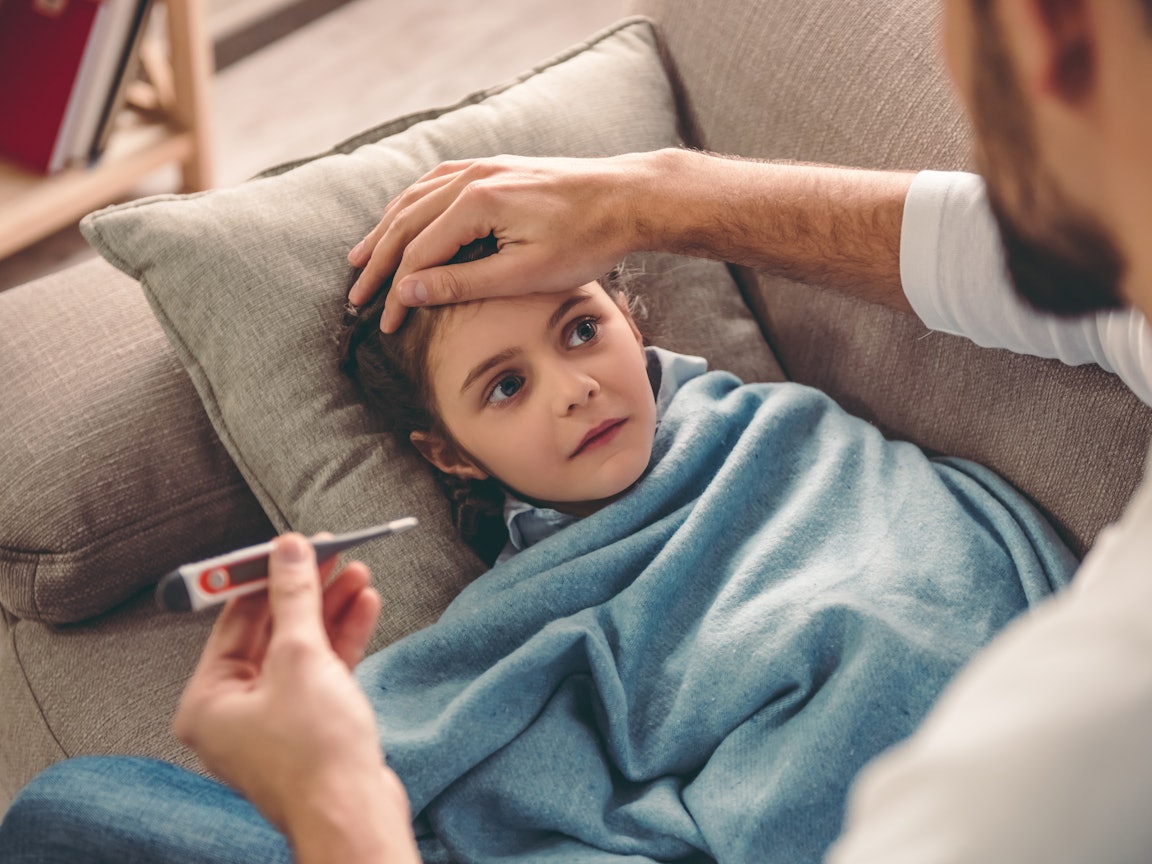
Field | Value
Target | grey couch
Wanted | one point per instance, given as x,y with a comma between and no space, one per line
123,445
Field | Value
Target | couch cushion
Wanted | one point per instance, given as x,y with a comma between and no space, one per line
856,83
249,284
111,473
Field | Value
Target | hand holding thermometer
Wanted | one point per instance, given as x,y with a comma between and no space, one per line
196,586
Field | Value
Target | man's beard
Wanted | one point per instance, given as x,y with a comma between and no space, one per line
1064,261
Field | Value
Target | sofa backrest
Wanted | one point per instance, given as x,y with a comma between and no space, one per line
861,83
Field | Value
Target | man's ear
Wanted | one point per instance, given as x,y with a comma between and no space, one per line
445,455
621,301
1060,46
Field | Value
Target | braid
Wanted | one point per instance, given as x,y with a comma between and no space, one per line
477,512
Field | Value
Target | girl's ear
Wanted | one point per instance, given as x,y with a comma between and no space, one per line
445,456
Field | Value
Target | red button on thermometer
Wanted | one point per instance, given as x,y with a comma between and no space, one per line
207,583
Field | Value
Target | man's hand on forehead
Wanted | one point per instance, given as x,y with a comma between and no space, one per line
549,225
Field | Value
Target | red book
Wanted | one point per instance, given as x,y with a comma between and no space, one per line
42,45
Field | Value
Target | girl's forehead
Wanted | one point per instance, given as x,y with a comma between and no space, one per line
467,332
510,312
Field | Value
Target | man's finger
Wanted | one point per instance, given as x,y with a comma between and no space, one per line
341,590
405,217
240,631
294,594
351,609
376,268
436,286
328,565
355,628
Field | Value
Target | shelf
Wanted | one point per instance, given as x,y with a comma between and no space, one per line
32,206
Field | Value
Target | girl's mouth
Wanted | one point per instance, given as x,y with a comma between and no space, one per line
600,435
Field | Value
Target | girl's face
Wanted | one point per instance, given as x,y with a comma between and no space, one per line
548,393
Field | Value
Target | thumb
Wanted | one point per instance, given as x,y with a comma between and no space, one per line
451,283
294,594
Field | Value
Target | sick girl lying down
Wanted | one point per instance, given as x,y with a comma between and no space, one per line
713,602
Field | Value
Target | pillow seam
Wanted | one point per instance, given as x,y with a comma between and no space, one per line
10,622
16,555
40,611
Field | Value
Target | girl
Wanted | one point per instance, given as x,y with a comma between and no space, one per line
571,440
713,604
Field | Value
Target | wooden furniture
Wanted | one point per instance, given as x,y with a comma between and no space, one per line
166,121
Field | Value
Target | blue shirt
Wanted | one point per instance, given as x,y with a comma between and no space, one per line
528,524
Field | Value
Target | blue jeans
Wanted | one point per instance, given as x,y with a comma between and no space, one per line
131,810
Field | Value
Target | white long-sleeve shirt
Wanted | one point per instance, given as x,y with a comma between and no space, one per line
1041,750
953,272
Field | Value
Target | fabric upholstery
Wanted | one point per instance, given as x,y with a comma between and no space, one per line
28,739
859,83
107,686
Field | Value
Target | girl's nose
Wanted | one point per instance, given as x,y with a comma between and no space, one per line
574,389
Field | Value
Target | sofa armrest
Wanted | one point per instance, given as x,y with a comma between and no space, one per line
111,473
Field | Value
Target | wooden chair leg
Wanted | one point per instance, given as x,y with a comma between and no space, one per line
191,63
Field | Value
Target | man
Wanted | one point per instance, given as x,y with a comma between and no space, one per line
1040,751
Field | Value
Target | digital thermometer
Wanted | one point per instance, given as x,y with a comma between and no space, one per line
201,584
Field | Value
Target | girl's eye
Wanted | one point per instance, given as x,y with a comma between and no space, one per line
584,331
505,389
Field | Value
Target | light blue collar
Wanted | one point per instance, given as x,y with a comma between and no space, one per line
528,524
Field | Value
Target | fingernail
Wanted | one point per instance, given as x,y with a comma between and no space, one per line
292,548
354,255
413,293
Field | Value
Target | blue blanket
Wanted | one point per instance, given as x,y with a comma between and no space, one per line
697,671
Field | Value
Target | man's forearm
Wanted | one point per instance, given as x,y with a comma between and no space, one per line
821,224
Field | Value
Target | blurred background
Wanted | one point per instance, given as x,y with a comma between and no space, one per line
294,77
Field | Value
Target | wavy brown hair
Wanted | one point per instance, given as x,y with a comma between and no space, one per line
393,375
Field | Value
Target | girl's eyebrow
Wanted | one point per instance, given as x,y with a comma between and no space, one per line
508,353
480,369
566,307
